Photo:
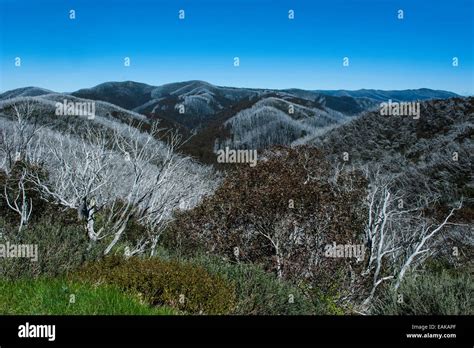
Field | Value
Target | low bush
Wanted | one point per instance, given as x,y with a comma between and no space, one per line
431,293
60,249
262,293
183,286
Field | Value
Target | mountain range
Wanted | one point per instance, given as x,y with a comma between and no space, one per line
214,116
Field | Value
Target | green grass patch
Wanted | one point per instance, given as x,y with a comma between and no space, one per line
58,297
431,293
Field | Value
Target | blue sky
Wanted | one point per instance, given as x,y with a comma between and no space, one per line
384,52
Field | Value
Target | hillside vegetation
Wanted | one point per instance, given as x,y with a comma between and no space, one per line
342,214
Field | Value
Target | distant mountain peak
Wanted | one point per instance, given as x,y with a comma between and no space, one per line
25,92
396,95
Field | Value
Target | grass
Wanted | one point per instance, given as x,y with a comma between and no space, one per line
53,297
430,293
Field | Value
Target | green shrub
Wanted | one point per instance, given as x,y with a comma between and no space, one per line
53,297
180,285
259,292
61,240
60,248
434,293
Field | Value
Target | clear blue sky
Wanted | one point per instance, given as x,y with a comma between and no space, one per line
385,53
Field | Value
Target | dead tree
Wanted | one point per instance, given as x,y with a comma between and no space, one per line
16,140
18,201
395,236
78,173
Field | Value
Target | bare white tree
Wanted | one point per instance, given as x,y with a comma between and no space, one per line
16,140
109,169
420,247
18,201
122,174
149,172
78,172
396,238
381,239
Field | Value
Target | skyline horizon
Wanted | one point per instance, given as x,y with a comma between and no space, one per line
232,86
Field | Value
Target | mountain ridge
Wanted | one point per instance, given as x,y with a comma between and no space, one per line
171,88
378,94
216,116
